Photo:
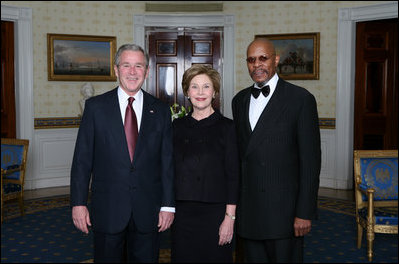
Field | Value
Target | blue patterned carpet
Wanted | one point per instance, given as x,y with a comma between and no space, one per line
46,235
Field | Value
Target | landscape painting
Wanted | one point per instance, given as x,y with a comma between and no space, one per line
80,58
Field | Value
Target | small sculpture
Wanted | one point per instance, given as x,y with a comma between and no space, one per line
87,91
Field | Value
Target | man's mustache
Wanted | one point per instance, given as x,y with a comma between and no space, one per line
259,70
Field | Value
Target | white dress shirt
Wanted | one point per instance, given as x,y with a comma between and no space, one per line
123,98
257,105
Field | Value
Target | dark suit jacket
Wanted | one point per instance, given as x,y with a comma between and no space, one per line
121,188
280,162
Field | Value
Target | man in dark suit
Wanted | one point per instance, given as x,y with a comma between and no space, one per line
132,195
279,144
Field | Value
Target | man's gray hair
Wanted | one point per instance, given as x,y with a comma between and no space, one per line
131,47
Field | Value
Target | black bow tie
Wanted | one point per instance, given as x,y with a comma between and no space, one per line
256,91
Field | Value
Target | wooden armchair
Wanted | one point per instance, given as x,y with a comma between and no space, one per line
376,194
14,153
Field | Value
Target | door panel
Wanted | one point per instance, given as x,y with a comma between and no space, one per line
166,50
171,53
203,48
166,82
376,88
8,123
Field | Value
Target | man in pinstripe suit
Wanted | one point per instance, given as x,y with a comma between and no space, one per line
279,143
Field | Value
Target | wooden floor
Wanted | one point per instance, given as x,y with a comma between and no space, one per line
49,192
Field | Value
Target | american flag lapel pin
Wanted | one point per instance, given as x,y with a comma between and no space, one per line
151,111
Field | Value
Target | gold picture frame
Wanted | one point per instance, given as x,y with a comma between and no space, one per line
299,55
80,57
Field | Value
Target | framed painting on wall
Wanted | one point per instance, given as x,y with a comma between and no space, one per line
80,57
299,55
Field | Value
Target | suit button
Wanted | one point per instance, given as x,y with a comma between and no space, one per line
198,178
132,169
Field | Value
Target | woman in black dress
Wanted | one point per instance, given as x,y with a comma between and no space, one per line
206,174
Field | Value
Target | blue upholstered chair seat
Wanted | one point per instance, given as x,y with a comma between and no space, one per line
384,192
383,216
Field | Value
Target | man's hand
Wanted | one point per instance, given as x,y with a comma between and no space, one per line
81,218
165,220
302,226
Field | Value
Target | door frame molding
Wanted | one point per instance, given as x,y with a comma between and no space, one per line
22,18
347,19
23,63
227,53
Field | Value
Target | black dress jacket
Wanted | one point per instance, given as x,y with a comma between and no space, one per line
206,159
280,162
118,185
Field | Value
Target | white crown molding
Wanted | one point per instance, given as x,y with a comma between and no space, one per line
374,12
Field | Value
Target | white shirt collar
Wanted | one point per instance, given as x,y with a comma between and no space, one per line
123,96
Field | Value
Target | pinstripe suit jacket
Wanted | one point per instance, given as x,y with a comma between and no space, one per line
280,162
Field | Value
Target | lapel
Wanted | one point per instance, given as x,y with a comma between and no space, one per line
244,118
115,123
269,116
148,121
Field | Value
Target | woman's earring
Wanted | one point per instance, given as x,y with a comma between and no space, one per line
188,97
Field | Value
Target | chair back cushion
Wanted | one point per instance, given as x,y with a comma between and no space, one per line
381,174
11,158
